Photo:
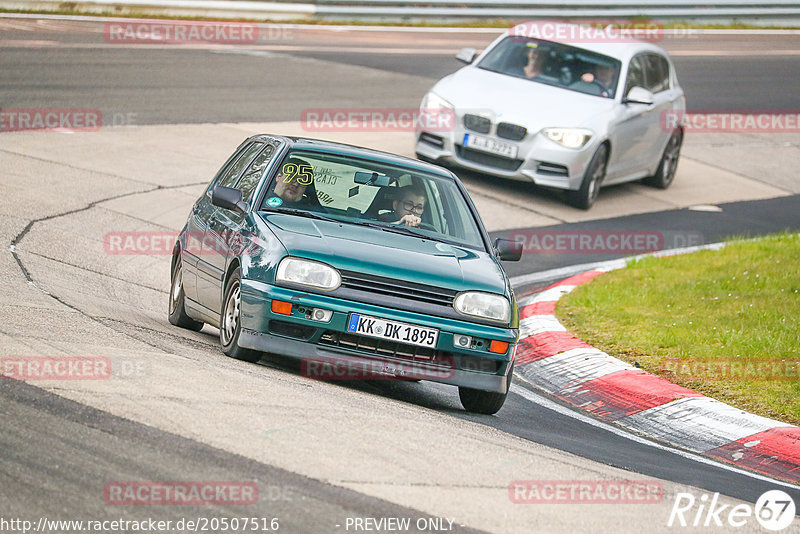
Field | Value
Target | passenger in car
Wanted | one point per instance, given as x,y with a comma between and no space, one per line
408,207
533,62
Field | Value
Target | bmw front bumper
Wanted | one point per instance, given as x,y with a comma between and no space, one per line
539,160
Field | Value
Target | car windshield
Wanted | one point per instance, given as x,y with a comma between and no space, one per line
375,194
554,64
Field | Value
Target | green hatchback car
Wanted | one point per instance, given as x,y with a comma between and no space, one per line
363,264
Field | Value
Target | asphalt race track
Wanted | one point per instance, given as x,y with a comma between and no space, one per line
321,454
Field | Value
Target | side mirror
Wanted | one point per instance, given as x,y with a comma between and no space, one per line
638,95
228,198
508,250
467,55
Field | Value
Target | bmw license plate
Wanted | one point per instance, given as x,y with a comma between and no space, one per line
487,144
392,330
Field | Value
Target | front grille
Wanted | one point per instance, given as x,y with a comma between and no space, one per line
553,169
382,347
477,123
511,131
490,160
378,285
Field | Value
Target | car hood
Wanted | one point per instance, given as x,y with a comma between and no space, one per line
367,250
530,104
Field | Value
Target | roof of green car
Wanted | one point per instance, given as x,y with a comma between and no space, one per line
305,143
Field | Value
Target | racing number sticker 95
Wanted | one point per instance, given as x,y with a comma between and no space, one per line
303,173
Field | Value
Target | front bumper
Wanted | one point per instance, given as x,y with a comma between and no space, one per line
539,160
348,356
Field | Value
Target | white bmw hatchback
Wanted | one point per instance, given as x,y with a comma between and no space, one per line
562,114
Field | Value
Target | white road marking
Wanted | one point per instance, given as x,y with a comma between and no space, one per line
538,324
698,423
571,368
555,407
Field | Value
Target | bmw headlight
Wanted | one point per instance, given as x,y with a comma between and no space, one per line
483,305
432,103
569,137
308,273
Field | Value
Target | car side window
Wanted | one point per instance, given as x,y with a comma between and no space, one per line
657,72
231,174
635,75
251,177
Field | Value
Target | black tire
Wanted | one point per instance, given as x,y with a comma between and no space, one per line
584,197
484,402
177,309
230,325
665,173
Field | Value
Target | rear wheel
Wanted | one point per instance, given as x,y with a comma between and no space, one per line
177,309
484,402
230,325
668,165
584,197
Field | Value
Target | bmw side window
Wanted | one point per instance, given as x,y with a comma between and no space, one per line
251,177
635,75
657,73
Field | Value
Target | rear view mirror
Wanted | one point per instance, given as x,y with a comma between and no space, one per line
467,55
372,178
228,198
508,250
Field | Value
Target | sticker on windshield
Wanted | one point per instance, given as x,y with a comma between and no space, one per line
274,202
303,173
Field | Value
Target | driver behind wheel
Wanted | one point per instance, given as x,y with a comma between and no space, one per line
408,207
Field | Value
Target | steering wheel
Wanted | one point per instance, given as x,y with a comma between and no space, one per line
429,227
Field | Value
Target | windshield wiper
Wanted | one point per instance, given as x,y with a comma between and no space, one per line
404,230
304,213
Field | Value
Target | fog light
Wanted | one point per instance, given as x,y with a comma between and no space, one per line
323,316
460,340
499,347
281,307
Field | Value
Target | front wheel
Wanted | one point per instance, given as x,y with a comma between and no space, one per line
668,165
230,325
177,297
584,197
484,402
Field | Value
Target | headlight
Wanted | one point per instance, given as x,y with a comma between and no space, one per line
308,273
568,137
483,305
433,102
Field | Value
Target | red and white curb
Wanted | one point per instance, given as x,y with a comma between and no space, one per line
559,363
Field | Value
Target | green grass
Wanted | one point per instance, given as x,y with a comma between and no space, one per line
738,307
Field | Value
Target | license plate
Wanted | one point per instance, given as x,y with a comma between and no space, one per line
487,144
392,330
